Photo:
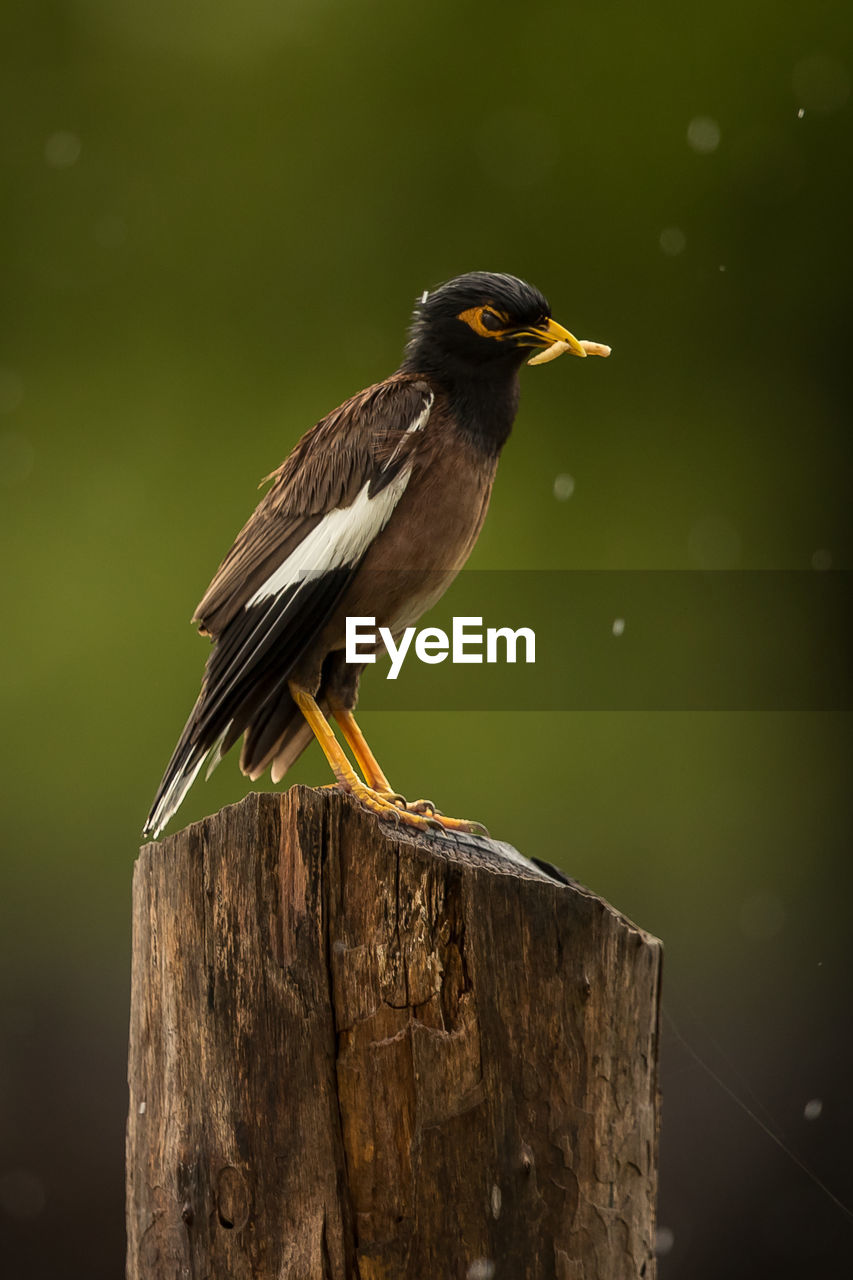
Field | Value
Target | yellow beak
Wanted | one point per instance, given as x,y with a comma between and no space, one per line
555,339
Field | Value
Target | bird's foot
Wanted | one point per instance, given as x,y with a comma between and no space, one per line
384,805
421,806
427,809
459,824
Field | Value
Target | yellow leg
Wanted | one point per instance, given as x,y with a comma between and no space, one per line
347,778
364,757
377,781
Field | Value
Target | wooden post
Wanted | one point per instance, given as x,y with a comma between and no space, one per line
358,1053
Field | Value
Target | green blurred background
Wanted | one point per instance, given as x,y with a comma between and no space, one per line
215,219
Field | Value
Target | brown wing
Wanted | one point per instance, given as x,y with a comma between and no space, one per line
262,611
330,465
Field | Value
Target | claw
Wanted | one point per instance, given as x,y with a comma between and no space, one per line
390,806
422,806
461,824
378,802
439,821
393,797
378,798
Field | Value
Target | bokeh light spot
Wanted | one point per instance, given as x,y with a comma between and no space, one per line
564,487
813,1109
703,134
673,241
664,1240
618,627
62,149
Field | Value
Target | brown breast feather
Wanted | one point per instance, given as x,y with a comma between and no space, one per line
428,538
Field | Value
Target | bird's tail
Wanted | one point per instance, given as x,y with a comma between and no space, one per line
276,734
183,768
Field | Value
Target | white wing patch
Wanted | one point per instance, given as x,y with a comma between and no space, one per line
344,534
419,422
341,538
421,419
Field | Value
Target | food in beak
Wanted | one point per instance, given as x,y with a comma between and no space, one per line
557,349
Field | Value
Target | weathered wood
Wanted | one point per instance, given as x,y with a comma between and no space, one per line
360,1053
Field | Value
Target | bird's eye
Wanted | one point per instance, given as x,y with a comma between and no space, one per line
484,321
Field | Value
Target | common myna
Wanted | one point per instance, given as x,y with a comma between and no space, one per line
373,514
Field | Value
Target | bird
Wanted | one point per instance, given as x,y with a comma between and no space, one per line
373,513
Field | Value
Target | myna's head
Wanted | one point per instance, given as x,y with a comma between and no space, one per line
483,321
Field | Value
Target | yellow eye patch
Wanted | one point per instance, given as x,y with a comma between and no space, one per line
485,321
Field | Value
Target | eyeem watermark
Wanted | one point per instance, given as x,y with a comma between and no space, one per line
468,642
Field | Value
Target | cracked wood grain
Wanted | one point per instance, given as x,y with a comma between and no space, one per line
359,1054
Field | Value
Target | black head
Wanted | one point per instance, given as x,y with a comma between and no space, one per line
482,322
